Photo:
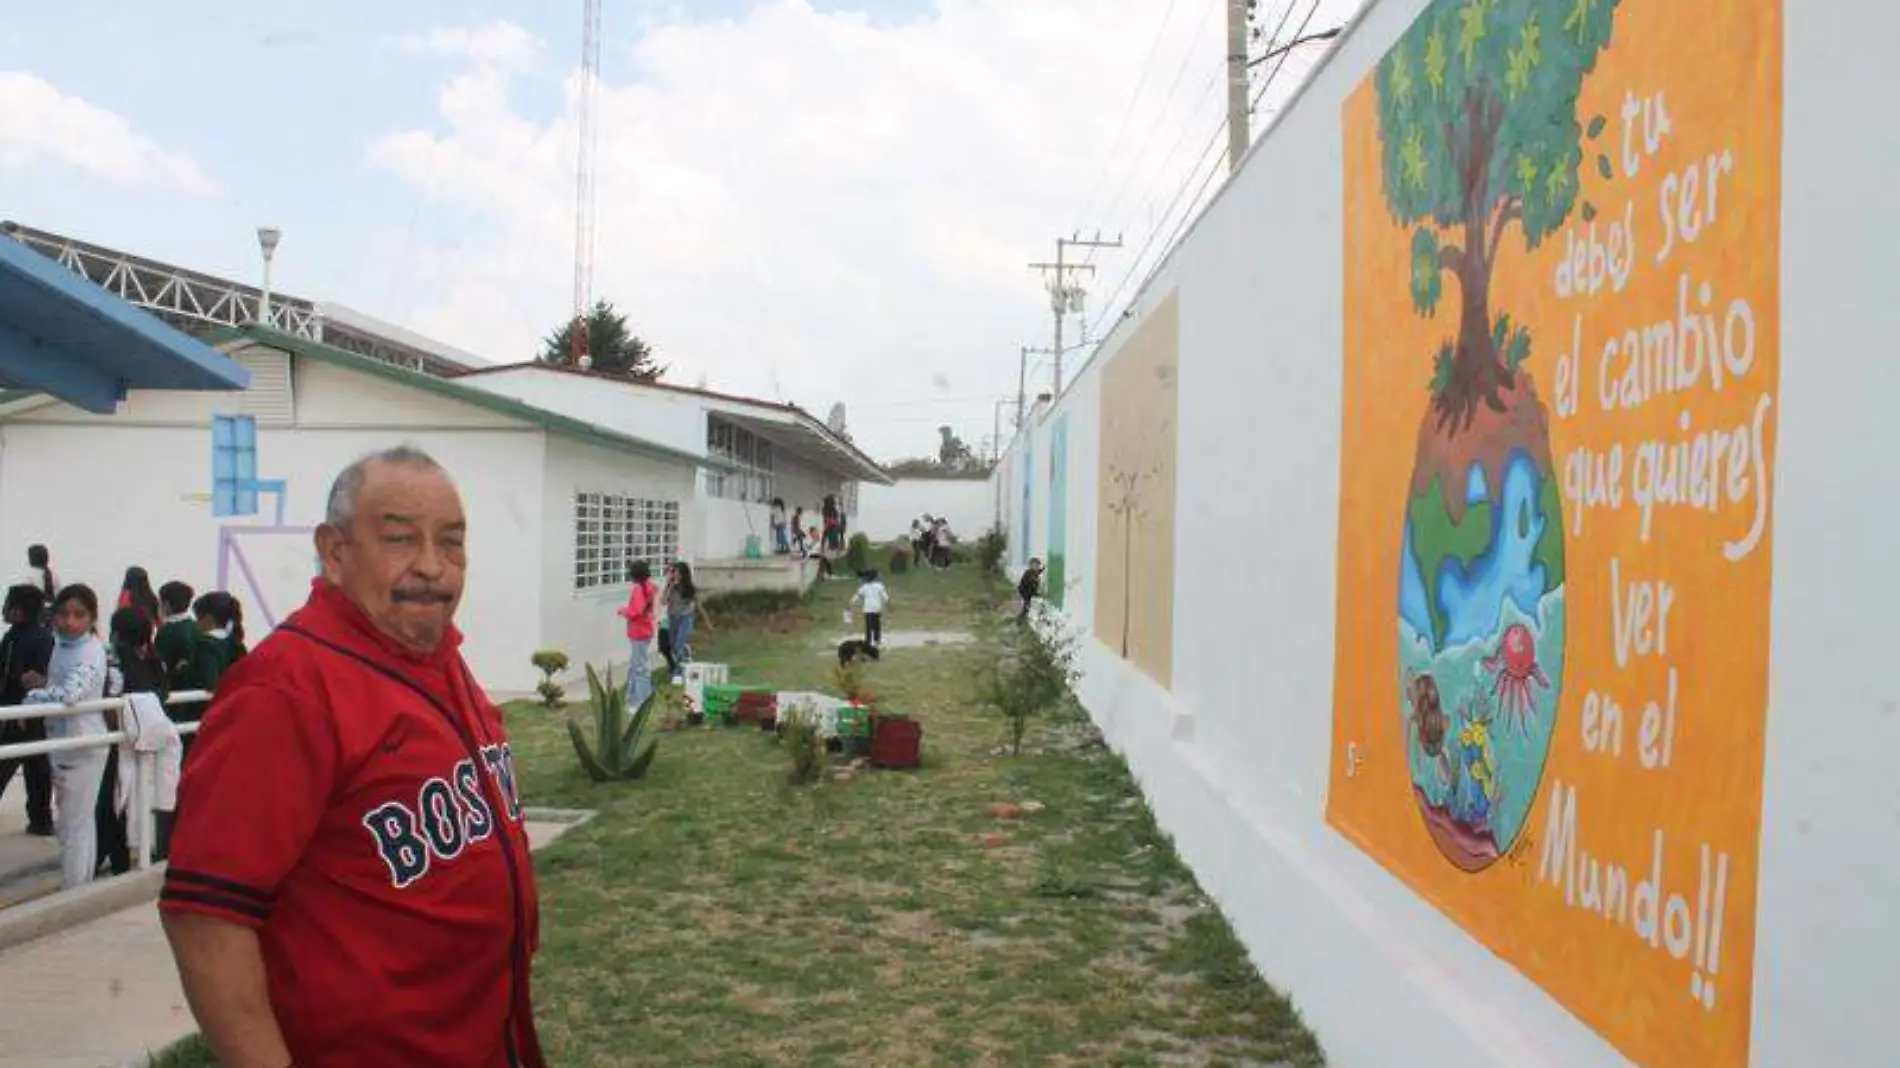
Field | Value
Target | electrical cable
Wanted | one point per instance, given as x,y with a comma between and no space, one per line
1213,142
1128,110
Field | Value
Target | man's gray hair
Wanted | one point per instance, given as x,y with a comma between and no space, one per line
341,510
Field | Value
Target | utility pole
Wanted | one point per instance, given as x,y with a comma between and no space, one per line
1022,377
1238,132
1064,298
996,434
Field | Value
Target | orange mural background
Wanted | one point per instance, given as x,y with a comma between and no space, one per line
1717,64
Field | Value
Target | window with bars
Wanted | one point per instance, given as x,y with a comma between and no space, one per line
756,478
611,531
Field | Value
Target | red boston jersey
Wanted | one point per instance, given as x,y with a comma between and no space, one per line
357,806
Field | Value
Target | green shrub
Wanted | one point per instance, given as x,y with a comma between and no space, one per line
193,1052
617,755
1034,674
857,553
990,549
550,662
900,561
804,742
743,603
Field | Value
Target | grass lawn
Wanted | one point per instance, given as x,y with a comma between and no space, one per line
713,915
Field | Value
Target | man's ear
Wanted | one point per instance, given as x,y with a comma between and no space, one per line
329,543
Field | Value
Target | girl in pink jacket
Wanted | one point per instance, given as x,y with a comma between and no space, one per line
641,613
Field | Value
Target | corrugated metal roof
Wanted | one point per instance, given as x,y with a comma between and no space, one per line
62,335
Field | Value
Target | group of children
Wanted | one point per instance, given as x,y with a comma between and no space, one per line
794,537
52,654
666,617
930,541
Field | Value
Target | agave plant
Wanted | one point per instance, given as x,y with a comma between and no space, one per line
617,754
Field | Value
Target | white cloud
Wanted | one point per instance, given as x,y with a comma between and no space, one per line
498,44
806,200
38,123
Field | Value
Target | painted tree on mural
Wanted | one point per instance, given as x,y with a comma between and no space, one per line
1477,113
1480,139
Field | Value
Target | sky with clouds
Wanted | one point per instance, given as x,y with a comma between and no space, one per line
815,201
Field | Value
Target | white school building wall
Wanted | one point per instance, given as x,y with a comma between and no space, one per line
729,522
677,418
1236,753
584,623
886,512
108,492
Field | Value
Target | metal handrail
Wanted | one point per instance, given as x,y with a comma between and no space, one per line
139,806
14,713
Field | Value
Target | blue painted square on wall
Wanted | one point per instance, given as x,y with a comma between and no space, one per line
233,465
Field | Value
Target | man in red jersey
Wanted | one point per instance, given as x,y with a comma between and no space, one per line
349,883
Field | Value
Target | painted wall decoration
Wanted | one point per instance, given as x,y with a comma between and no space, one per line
1134,555
1023,552
235,489
1562,344
1056,581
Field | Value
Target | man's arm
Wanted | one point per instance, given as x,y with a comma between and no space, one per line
251,799
222,969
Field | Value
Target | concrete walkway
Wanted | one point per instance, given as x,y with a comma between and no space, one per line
29,866
105,994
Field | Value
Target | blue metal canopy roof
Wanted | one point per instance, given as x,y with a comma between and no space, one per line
62,335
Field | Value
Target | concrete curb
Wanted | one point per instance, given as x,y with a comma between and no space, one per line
573,817
70,908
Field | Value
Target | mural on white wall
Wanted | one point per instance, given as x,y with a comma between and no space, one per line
1134,553
1562,301
1023,552
244,548
1057,583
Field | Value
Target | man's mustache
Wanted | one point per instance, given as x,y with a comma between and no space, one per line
421,596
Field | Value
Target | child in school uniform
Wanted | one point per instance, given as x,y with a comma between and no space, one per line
177,634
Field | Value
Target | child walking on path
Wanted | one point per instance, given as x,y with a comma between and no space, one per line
875,598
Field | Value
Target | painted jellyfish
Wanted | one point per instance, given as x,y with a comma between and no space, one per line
1516,666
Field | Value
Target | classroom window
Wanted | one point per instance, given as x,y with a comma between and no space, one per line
754,457
233,465
611,531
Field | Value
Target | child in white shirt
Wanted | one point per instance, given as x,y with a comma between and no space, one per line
874,597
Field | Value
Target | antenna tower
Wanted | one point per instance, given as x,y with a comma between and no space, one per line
584,197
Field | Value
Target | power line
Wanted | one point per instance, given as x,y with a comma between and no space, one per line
972,399
1162,113
1167,161
1266,85
1180,140
1286,51
1212,143
1128,111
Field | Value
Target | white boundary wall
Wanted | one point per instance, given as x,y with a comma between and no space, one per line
1235,760
885,512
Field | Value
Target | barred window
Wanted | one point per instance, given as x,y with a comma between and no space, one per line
755,479
611,531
